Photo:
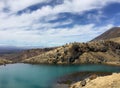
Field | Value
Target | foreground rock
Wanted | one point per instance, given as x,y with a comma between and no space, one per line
110,81
71,79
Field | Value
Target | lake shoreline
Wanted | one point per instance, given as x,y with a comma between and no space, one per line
108,63
70,80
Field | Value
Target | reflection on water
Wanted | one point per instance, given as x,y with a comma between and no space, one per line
41,76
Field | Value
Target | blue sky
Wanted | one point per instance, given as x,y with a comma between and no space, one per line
55,22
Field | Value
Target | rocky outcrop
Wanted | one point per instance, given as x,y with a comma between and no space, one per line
100,52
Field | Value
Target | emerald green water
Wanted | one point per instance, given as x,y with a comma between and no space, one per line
42,76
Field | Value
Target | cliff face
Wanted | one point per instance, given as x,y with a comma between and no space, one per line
105,52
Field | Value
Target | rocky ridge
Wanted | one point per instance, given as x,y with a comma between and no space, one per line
100,52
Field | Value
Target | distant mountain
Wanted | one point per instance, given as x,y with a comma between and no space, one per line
10,49
112,33
18,54
16,49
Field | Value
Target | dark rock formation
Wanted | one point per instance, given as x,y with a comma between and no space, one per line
83,83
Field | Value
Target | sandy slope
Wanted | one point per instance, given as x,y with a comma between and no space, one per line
111,81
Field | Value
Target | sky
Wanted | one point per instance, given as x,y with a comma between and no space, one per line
48,23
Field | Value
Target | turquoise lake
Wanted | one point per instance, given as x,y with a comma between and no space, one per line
42,76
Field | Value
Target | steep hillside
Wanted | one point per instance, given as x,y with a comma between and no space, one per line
105,52
112,33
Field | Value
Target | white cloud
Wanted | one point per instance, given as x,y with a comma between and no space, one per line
16,5
23,29
53,36
97,17
77,6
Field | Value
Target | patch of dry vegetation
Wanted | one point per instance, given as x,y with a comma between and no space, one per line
116,39
79,53
4,61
